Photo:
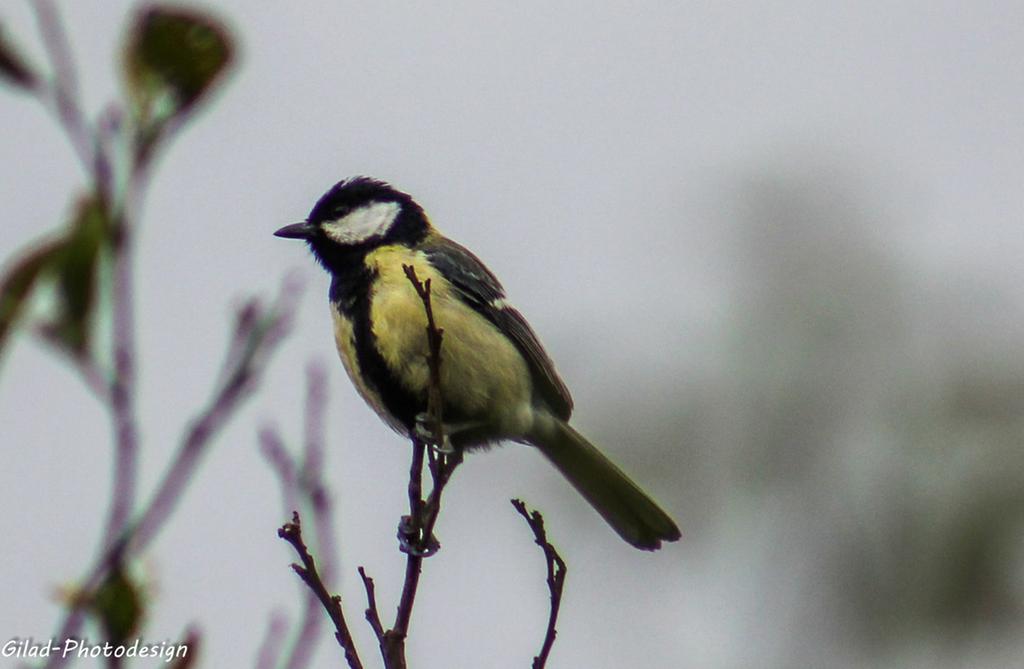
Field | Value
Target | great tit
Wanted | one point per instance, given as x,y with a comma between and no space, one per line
497,382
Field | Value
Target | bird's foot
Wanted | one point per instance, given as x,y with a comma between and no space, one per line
424,431
410,542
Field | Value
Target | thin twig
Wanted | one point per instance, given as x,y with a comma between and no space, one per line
372,612
94,378
555,579
283,465
256,335
435,336
123,388
192,642
311,481
415,558
273,638
64,88
417,533
307,571
108,129
120,391
268,331
442,467
311,486
94,145
303,485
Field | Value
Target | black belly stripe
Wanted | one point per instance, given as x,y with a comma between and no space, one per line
350,293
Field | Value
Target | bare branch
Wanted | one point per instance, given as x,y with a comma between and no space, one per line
63,95
94,145
273,638
283,465
412,535
555,579
435,336
122,395
311,481
265,329
307,571
63,90
416,530
310,485
94,378
303,485
257,333
190,659
123,385
372,612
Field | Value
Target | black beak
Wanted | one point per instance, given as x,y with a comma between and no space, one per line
303,230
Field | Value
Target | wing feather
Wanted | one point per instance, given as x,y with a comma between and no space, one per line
482,291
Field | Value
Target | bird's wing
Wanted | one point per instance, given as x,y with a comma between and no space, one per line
482,291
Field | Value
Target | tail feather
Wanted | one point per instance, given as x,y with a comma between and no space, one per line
623,505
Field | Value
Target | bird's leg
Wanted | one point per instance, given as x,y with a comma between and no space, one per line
424,430
409,541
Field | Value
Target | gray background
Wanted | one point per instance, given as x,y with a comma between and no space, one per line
774,249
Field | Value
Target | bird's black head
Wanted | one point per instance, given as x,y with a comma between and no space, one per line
356,216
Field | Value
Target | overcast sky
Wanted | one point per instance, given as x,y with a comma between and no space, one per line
602,158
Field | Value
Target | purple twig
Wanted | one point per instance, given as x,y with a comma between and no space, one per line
273,639
555,580
64,88
264,331
256,334
283,465
307,571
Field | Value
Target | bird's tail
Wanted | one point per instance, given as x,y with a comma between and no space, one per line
630,512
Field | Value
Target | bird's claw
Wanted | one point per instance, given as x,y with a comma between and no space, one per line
409,541
423,428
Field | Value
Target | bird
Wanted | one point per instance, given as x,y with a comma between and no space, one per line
497,382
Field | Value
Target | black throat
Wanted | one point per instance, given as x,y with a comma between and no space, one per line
351,293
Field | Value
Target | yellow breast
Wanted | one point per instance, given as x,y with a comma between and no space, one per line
344,338
483,375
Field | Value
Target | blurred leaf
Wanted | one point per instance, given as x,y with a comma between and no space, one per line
72,260
13,68
172,58
20,280
77,274
118,605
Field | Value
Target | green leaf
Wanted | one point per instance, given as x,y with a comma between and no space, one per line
172,59
71,262
13,68
119,606
19,281
77,275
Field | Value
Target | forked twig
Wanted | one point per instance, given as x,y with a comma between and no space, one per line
372,612
258,332
302,486
416,530
307,571
555,579
418,533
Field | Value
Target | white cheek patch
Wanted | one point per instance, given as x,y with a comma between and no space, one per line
363,224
